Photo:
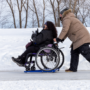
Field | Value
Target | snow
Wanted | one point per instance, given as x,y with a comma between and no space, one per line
13,41
19,75
45,85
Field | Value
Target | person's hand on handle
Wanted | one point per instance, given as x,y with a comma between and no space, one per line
57,40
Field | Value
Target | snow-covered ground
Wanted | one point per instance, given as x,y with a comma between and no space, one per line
13,41
45,85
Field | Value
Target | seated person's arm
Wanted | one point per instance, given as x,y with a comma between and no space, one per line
37,38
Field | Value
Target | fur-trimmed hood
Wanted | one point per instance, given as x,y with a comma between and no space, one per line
67,12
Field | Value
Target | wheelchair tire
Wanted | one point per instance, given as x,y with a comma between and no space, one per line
61,61
43,63
53,53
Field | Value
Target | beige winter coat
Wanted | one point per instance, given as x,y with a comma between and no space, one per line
74,30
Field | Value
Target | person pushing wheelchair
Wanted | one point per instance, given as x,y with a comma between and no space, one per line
78,34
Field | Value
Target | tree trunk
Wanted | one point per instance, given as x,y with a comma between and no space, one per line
36,13
26,14
43,12
11,7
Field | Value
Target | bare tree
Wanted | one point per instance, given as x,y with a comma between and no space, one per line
84,12
44,11
58,11
20,11
24,12
56,6
74,6
20,4
11,7
52,2
34,9
26,9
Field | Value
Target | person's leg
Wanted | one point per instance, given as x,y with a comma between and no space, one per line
31,49
74,60
21,59
85,51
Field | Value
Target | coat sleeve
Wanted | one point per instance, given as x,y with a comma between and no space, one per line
44,36
66,25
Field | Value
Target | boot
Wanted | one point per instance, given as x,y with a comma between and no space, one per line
18,61
33,68
68,70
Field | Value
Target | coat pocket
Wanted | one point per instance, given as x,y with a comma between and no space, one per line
72,37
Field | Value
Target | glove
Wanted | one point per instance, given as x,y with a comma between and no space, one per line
35,34
59,40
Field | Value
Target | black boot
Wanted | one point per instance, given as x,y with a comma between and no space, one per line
33,68
18,61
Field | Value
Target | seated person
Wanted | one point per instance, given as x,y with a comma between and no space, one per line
44,38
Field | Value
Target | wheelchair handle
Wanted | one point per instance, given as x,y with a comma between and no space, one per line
56,44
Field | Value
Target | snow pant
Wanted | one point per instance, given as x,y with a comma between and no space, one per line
31,49
83,50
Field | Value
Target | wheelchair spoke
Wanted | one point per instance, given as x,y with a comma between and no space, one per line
49,59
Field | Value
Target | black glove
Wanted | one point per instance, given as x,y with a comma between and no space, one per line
35,34
59,40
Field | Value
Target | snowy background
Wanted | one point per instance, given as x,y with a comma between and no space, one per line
13,41
45,85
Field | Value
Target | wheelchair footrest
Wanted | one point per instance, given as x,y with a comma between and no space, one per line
40,71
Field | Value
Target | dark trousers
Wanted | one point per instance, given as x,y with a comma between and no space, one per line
83,50
31,49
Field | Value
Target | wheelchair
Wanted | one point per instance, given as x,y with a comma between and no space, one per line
47,59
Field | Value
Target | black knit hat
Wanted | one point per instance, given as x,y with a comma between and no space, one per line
64,10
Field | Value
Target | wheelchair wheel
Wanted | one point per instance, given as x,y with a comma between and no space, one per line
42,62
61,56
47,59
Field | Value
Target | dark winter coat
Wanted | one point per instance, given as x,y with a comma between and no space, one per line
74,30
44,38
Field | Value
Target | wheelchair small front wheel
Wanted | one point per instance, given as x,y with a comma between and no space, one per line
47,59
